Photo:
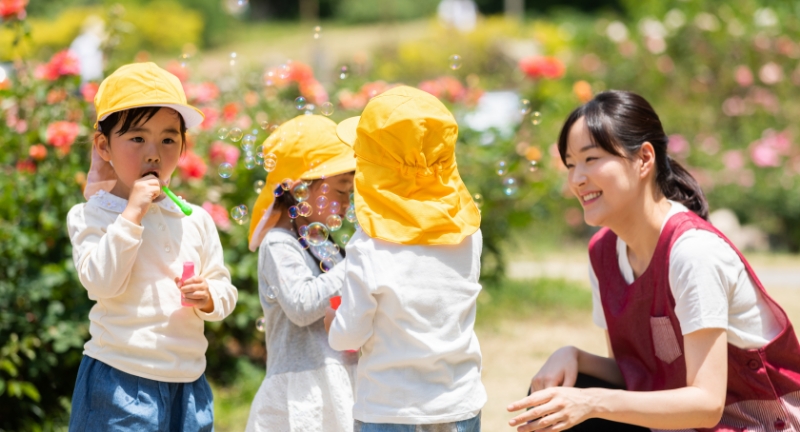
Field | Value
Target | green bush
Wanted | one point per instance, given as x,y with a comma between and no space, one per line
366,11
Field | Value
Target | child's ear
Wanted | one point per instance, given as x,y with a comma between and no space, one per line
103,146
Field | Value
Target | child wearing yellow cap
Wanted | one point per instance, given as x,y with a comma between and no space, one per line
308,386
411,279
143,368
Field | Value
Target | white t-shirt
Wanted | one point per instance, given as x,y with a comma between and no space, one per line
411,310
710,286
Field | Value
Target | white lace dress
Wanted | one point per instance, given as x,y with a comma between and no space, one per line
309,386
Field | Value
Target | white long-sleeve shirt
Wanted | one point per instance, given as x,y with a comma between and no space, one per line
411,310
138,324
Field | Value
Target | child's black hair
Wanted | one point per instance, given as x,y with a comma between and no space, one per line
132,117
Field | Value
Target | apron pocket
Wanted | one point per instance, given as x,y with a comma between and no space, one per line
665,342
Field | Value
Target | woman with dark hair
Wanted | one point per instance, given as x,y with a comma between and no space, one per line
695,342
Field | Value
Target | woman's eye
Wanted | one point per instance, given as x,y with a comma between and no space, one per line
569,166
589,159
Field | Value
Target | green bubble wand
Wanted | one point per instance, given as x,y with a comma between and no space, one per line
179,202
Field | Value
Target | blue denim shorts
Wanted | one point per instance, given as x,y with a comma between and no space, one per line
107,399
471,425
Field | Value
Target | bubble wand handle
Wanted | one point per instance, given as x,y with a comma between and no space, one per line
179,202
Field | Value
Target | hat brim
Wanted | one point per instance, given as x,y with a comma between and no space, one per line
191,115
341,164
347,130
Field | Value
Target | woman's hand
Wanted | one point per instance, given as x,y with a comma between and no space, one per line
195,292
561,369
553,409
330,314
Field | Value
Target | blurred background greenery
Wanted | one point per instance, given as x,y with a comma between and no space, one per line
724,78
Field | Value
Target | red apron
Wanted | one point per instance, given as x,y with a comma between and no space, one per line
763,384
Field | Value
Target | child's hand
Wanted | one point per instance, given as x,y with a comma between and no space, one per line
143,192
196,293
330,314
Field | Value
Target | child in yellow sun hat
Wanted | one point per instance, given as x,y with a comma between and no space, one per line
308,386
411,280
143,367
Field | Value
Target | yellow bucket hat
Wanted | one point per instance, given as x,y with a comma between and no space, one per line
135,85
407,186
306,148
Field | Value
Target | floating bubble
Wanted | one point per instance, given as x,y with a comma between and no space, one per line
300,103
273,128
264,124
335,207
225,170
536,118
334,222
344,239
258,186
249,140
502,167
303,242
222,133
260,159
326,108
510,186
270,162
304,209
235,134
327,264
455,62
278,191
478,198
352,196
302,231
351,215
344,72
325,188
317,31
233,59
239,213
524,106
322,250
260,151
317,234
249,161
293,212
261,324
333,248
321,202
270,293
286,184
300,192
533,166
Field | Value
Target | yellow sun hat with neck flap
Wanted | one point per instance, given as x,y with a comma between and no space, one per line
306,148
407,186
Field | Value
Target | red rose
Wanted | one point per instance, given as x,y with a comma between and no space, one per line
62,134
191,165
12,8
542,67
26,166
63,63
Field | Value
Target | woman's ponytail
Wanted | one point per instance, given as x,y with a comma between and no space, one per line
678,185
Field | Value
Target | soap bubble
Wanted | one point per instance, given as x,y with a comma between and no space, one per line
302,231
321,203
317,234
351,215
322,250
239,213
249,140
335,207
536,118
327,264
510,186
478,198
300,103
533,166
344,239
300,192
225,170
326,108
293,212
303,242
344,72
235,134
264,124
261,324
260,159
258,186
278,191
260,151
233,59
270,162
249,162
305,209
270,293
524,106
455,62
334,222
286,184
333,248
325,188
317,31
502,167
222,133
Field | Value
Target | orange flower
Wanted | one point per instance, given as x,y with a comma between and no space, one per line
229,111
55,96
191,165
62,134
251,99
313,91
583,90
538,67
12,9
37,151
88,91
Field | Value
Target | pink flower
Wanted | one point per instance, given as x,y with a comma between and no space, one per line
201,93
221,152
538,67
770,73
21,127
764,155
191,165
179,70
88,91
733,160
218,214
12,9
734,106
313,91
63,63
211,119
743,76
678,145
62,134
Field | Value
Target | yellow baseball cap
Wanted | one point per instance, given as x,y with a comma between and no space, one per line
407,186
141,85
306,148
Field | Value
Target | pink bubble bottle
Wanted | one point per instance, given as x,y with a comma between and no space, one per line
188,272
